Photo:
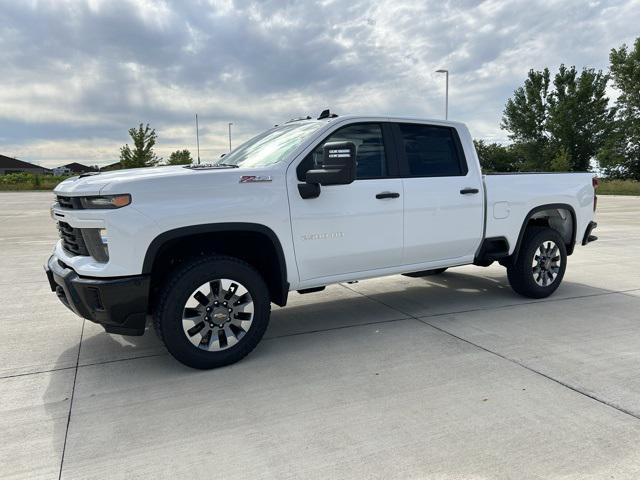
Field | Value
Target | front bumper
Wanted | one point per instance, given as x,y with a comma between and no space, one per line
118,304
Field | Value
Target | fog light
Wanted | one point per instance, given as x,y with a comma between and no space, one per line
96,241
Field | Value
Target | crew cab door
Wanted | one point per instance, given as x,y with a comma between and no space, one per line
355,227
443,203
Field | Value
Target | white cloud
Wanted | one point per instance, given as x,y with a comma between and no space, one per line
77,75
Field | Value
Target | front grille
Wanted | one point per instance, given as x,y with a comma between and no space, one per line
72,240
72,203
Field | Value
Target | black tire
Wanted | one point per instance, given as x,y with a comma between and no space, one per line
167,316
522,276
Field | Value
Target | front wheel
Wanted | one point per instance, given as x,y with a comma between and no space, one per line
213,312
541,263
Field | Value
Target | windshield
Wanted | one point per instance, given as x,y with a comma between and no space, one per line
271,146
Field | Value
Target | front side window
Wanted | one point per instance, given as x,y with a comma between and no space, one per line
370,157
431,151
271,146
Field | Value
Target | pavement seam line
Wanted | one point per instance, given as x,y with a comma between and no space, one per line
533,370
286,335
73,391
511,360
497,307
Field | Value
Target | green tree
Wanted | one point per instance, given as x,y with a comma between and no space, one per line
579,117
142,154
180,157
561,162
621,154
569,122
497,158
525,118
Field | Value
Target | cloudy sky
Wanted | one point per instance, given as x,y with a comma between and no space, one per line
75,75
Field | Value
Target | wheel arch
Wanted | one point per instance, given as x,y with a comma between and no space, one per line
255,243
549,213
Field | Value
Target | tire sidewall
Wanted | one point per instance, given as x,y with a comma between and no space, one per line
534,240
177,294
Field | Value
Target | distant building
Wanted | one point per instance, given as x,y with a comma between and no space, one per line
73,168
111,166
76,167
13,165
61,171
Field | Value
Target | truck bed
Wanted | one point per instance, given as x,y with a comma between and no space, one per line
512,197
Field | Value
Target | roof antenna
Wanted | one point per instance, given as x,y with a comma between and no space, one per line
327,114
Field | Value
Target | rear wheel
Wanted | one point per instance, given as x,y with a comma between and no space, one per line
540,265
213,312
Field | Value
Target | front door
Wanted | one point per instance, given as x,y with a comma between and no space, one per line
350,228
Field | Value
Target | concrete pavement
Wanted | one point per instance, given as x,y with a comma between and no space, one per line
442,377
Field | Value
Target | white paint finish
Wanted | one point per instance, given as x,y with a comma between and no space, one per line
33,421
350,234
346,229
440,223
501,210
524,192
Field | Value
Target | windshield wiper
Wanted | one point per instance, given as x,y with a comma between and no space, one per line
227,165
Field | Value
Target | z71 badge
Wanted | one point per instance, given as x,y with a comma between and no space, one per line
254,179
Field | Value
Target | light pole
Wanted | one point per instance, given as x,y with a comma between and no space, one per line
230,135
198,138
446,95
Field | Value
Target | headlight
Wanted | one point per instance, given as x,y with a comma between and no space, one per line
106,201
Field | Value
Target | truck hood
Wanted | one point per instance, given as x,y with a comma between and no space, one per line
117,181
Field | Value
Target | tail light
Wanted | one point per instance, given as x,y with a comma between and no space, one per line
596,183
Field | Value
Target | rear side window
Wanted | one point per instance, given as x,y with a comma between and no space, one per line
432,151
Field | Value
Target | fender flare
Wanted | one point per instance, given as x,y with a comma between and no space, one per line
548,206
157,243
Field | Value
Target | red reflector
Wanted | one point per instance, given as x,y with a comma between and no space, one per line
595,182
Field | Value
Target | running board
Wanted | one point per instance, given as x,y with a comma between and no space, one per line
311,290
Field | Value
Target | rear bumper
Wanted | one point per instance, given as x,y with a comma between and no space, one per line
118,304
587,234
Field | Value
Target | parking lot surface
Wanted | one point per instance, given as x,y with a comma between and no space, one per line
444,377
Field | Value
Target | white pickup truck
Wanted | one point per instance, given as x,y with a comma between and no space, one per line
205,249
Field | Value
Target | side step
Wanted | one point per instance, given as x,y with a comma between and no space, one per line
424,273
311,290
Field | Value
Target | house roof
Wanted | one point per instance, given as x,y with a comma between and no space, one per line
8,162
76,167
112,166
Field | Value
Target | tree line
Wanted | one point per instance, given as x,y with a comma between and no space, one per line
566,122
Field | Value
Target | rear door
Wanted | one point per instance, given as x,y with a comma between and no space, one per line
443,202
350,228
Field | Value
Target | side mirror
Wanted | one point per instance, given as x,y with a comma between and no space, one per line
338,168
338,165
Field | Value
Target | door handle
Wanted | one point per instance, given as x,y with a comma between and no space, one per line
387,195
467,191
